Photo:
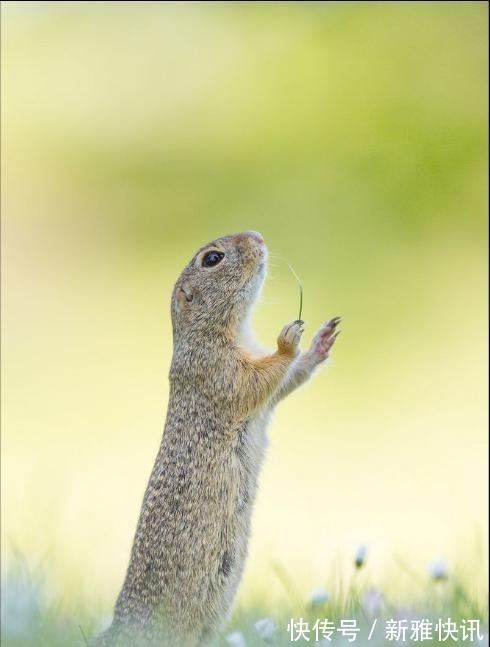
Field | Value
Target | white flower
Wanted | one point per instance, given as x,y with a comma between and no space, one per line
372,601
236,639
438,570
318,597
360,556
266,628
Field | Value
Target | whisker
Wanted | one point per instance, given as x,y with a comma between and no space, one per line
274,259
300,286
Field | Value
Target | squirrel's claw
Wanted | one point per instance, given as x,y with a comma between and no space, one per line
288,340
325,339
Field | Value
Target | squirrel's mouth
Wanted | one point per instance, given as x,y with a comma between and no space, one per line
262,265
261,274
263,256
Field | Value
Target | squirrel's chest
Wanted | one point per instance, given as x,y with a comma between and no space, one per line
249,452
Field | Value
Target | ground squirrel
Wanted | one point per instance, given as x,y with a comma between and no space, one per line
191,540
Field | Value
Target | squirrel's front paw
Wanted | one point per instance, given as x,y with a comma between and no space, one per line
325,339
288,340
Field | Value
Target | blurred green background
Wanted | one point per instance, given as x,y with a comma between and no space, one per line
353,137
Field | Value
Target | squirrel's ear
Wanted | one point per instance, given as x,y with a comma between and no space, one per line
184,296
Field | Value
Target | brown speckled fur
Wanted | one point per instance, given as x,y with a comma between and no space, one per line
191,540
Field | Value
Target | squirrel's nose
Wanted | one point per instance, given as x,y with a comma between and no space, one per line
255,235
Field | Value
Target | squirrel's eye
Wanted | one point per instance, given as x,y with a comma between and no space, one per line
212,258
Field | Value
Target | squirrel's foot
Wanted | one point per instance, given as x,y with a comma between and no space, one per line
324,340
288,340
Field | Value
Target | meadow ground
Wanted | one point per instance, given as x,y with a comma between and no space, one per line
437,607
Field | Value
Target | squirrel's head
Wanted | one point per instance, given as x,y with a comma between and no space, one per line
217,288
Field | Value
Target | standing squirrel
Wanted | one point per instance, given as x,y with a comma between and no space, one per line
191,540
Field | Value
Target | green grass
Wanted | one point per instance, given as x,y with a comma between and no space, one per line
32,616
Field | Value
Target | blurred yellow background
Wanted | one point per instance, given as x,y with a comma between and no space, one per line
353,137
